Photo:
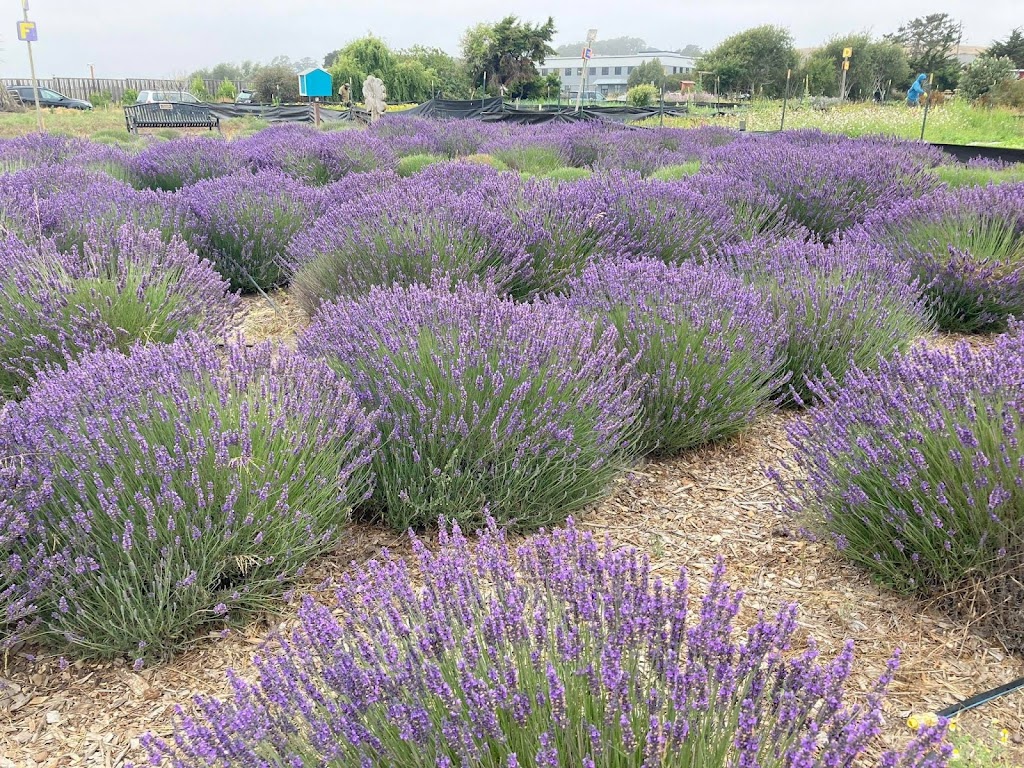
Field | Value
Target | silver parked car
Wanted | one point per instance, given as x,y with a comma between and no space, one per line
174,97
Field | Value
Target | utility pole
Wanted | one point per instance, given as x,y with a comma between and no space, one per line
27,32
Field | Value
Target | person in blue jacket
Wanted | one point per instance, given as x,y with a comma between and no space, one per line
916,90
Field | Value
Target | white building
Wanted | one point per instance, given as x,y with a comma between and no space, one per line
609,74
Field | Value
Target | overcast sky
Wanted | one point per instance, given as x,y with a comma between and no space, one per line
164,38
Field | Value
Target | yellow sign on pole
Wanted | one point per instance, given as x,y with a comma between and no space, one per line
846,65
27,31
847,53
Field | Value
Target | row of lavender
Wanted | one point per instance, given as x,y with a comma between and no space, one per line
567,328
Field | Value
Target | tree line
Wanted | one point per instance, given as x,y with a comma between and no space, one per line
504,57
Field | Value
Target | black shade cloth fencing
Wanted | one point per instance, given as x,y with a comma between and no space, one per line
495,110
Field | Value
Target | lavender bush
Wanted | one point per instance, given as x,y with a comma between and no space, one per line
827,189
96,213
486,406
56,306
966,247
39,149
244,223
638,218
171,165
413,232
914,470
710,351
312,156
177,487
568,654
841,306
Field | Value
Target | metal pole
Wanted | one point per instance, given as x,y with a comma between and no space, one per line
32,71
583,83
785,100
662,123
484,94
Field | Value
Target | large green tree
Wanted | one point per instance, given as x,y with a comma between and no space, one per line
754,60
930,43
1012,48
447,75
345,70
874,66
277,84
648,72
985,75
372,56
508,52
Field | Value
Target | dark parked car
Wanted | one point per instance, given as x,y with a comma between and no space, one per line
245,96
47,98
174,97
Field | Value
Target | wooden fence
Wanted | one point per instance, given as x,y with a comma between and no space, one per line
85,87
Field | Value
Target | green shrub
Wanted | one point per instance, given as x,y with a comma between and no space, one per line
537,160
129,96
568,174
227,91
411,164
676,172
198,89
100,99
642,95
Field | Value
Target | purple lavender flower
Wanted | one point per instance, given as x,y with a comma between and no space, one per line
413,232
39,149
710,351
620,215
914,469
844,305
171,165
58,305
486,406
311,156
174,485
563,654
966,247
826,185
245,222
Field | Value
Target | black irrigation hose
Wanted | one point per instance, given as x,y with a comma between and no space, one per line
981,698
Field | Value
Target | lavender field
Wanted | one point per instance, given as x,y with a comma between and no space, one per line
739,420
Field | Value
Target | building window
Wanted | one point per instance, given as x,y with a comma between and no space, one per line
618,70
604,70
629,70
568,70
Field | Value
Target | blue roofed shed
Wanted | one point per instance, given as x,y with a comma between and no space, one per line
315,82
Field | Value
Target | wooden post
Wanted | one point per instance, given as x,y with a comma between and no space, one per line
785,100
316,112
927,103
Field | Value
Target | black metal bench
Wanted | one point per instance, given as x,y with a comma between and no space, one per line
169,115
